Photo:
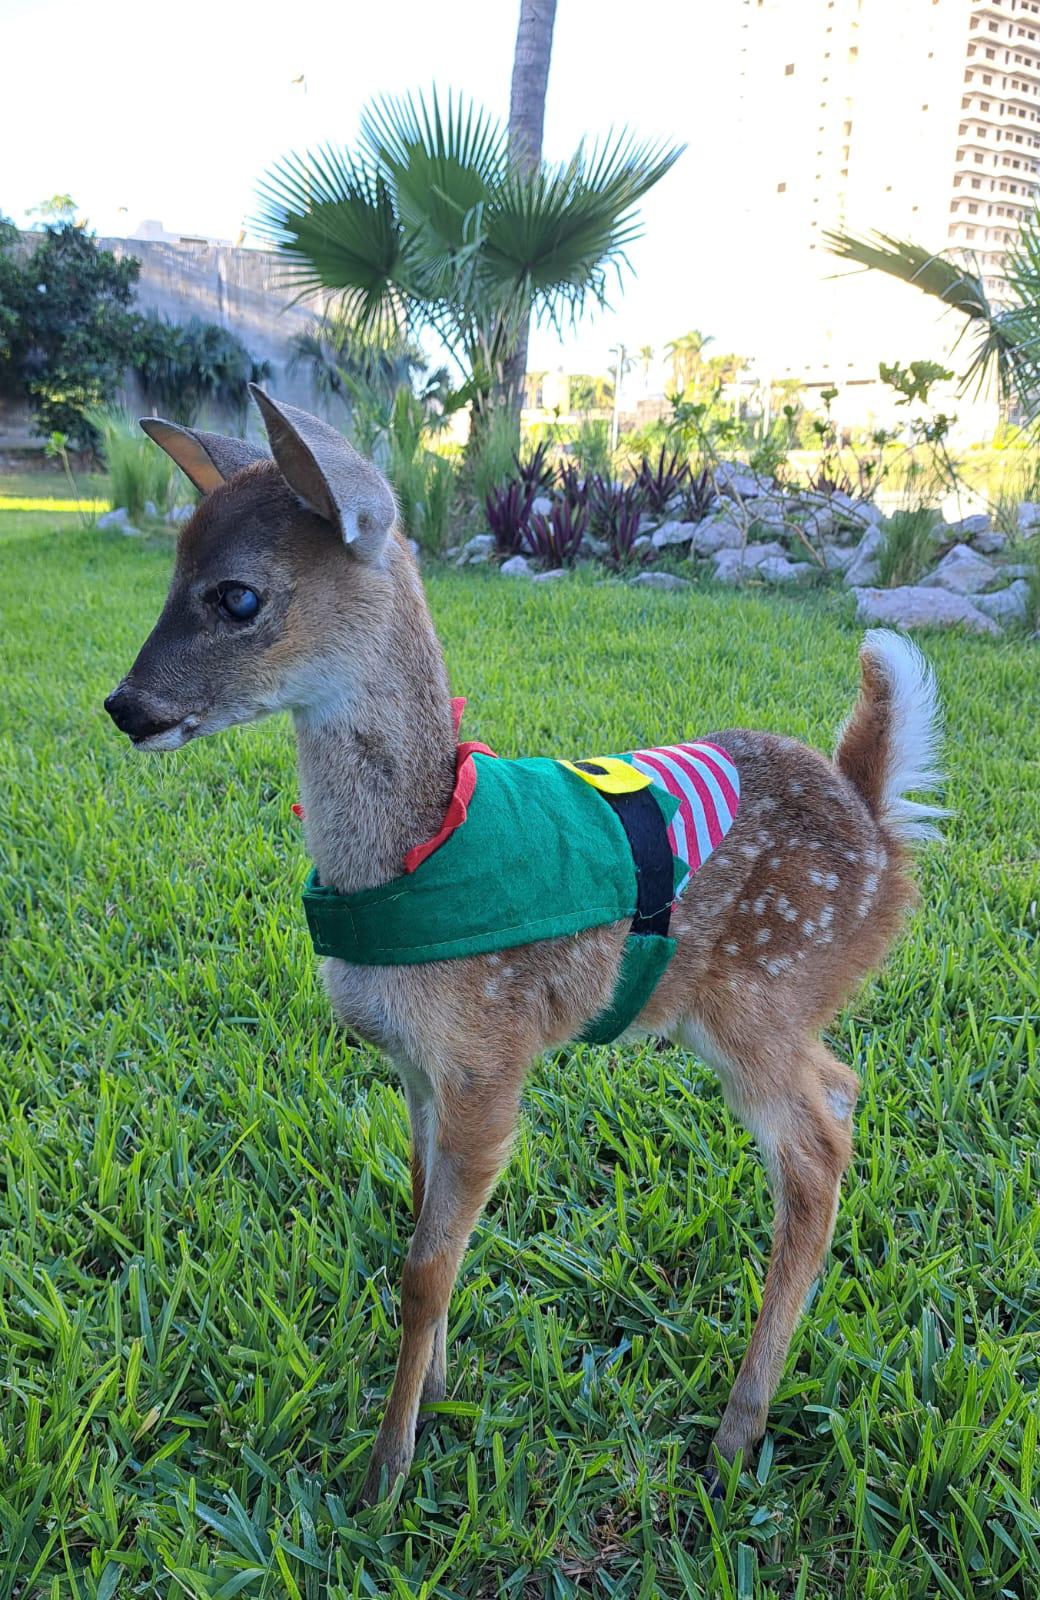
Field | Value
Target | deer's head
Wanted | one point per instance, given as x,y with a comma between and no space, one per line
280,583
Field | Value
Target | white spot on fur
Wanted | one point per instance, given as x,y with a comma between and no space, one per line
832,880
760,904
808,928
744,907
731,949
851,855
774,861
816,877
870,883
840,1103
765,839
794,841
763,936
815,844
795,788
826,916
750,851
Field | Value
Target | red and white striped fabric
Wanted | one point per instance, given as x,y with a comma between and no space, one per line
707,784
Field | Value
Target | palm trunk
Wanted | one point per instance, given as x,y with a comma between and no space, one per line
526,121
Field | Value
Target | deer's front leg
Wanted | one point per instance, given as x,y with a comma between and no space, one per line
469,1146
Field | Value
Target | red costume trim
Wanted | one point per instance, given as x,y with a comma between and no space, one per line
461,795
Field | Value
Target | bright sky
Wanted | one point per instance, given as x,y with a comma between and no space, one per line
174,112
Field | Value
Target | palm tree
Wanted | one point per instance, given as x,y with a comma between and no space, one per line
429,223
685,355
1007,335
531,55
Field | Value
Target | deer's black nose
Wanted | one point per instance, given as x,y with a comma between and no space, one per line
132,713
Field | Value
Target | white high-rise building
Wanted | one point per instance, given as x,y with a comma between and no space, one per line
919,118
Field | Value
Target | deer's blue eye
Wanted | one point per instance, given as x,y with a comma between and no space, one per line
239,602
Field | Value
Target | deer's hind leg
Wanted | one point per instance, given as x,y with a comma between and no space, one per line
797,1101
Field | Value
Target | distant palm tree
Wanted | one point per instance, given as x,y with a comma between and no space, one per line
685,356
430,223
531,55
1007,336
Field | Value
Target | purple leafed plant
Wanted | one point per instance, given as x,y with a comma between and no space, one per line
573,487
614,516
697,497
556,539
658,483
536,472
508,513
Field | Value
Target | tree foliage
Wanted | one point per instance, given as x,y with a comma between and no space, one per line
1006,332
429,223
66,327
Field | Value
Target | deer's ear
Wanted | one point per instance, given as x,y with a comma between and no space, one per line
329,476
208,459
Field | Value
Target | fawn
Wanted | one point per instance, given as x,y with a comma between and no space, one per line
293,591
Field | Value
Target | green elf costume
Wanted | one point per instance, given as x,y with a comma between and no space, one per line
540,849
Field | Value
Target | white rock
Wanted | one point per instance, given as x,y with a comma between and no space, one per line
641,544
818,524
777,569
1028,516
1005,605
968,527
542,505
150,509
128,531
547,577
738,481
989,542
864,512
862,569
516,567
119,517
180,514
756,555
961,571
730,566
1017,569
915,607
661,580
673,533
479,548
836,557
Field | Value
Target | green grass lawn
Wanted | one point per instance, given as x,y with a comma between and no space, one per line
204,1195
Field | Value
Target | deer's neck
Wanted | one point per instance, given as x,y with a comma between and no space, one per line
377,766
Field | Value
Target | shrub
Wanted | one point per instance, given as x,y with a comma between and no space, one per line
556,539
614,515
658,483
185,368
508,513
535,469
590,450
138,471
908,548
66,331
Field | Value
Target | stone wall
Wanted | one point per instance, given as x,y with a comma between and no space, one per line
243,290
